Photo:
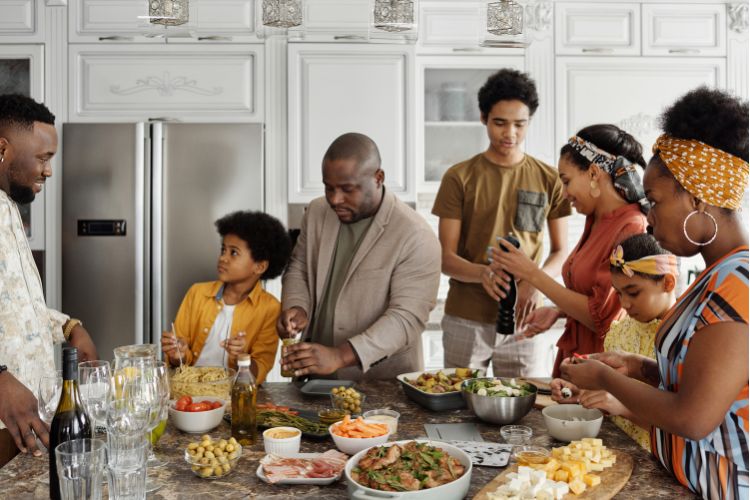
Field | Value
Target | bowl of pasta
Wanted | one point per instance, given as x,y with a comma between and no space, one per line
213,381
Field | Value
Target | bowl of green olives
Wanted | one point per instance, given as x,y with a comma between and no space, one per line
347,399
212,459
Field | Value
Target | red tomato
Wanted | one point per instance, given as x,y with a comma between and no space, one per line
183,403
202,406
216,404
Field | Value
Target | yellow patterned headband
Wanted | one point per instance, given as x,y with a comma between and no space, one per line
709,174
653,265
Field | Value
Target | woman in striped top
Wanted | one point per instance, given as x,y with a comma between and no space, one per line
697,400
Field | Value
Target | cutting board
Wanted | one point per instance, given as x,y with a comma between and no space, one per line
542,400
613,480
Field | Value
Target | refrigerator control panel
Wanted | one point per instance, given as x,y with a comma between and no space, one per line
101,227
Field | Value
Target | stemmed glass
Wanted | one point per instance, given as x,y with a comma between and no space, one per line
49,390
159,410
94,378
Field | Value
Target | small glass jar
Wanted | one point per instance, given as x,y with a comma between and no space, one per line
516,434
287,342
453,101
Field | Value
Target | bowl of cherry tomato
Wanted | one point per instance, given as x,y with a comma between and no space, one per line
197,414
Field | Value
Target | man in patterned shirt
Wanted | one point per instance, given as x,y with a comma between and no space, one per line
28,328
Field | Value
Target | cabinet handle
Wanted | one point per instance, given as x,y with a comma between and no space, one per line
597,51
349,37
684,51
115,38
467,49
215,38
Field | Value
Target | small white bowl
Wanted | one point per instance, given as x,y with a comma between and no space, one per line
384,416
350,446
572,422
282,446
200,421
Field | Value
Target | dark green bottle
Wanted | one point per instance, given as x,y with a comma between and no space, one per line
70,421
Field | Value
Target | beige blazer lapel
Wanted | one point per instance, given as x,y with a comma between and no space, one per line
327,243
373,234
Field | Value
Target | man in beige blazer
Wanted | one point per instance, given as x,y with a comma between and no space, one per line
363,276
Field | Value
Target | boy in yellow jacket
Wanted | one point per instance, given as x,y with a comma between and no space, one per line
219,320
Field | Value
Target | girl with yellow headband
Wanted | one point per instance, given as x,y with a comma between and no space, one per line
644,276
695,395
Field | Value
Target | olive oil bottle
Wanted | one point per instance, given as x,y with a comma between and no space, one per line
244,392
70,421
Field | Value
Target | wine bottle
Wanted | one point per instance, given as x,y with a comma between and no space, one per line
506,308
244,392
70,421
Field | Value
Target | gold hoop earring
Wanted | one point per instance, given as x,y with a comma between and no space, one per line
684,228
595,191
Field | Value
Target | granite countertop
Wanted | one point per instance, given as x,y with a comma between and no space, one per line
27,477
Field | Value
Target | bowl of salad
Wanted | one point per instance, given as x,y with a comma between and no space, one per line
499,400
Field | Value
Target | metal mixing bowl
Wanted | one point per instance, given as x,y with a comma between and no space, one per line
499,409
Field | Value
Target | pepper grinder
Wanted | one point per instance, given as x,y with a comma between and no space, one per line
506,308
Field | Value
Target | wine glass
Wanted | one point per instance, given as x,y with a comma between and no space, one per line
159,410
130,405
49,390
94,385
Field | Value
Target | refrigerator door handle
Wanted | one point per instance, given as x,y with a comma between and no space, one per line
157,228
140,220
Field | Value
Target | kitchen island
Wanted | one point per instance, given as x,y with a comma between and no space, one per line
27,476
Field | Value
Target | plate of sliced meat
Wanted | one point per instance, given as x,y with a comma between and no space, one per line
302,468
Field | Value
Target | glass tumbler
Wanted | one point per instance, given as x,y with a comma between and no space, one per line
80,468
126,465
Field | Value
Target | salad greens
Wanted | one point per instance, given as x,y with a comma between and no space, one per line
499,388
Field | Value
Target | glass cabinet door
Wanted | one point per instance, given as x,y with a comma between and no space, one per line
20,73
452,130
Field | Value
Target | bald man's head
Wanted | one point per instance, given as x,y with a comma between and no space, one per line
353,178
355,146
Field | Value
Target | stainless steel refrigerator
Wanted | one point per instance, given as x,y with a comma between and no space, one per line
139,205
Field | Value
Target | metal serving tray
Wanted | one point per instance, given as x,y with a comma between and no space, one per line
434,402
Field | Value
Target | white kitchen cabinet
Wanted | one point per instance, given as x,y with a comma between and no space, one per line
122,21
20,21
597,28
336,19
22,72
445,26
684,30
339,88
449,126
630,92
134,82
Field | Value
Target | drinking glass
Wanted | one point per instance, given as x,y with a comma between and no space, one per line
126,465
80,468
159,410
49,390
129,410
94,386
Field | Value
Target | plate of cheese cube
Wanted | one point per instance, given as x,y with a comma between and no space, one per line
584,469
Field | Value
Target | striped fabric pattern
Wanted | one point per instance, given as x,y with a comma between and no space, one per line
715,467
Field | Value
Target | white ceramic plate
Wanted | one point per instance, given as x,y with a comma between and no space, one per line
300,480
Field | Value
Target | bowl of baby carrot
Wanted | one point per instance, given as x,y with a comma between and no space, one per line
354,435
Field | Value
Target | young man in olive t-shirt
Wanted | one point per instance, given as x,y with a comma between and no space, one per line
500,191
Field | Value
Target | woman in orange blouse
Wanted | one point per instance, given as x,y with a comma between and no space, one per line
597,169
